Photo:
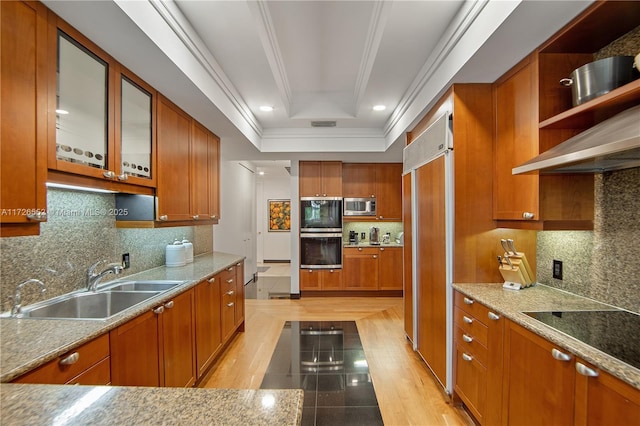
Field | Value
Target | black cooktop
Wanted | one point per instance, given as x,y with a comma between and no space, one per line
616,333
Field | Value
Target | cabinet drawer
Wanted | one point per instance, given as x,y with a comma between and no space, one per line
471,325
469,344
471,382
99,374
360,250
472,307
56,372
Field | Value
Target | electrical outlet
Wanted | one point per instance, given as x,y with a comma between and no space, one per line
126,262
557,269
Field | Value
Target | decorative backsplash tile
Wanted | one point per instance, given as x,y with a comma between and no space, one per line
79,231
602,264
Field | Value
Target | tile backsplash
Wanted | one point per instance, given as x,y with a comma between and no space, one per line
392,227
602,264
80,231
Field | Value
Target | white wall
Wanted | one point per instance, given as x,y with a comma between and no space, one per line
236,231
272,245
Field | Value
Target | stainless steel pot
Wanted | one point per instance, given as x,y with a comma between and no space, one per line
600,77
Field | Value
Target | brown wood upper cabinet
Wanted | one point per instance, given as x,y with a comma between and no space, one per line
380,181
320,179
188,168
535,113
23,148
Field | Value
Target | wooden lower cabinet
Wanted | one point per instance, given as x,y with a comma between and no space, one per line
208,333
321,279
478,345
157,347
390,268
360,268
239,304
603,399
88,364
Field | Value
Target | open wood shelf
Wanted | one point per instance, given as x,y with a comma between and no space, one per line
598,109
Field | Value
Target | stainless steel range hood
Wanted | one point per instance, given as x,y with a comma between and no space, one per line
613,144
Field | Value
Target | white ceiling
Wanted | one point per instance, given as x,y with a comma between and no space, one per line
314,60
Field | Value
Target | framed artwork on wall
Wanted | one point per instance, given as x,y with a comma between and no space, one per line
279,215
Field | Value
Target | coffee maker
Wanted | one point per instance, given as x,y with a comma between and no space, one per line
353,237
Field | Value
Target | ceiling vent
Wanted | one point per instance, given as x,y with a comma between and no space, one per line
323,124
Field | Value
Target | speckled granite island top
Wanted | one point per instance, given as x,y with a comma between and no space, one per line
27,343
106,405
511,304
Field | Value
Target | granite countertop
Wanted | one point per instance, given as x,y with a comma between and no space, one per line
29,343
368,244
511,304
109,405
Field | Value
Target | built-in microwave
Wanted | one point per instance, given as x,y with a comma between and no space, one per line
359,206
321,214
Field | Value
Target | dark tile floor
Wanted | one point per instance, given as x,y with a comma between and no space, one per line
326,360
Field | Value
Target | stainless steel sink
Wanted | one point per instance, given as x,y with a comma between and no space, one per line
150,285
86,305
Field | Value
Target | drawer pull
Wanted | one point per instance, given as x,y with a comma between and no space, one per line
585,371
468,301
158,310
123,176
230,269
230,280
359,248
467,357
212,280
169,304
493,316
528,215
38,216
375,256
70,359
163,217
467,339
196,216
560,356
230,292
229,304
238,265
467,319
109,174
213,216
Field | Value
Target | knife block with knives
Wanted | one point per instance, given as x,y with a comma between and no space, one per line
516,271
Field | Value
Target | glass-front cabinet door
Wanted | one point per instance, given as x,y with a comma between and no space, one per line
135,137
83,136
104,114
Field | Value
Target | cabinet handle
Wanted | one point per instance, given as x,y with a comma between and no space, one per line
213,216
230,292
212,280
467,339
375,256
331,271
123,176
230,280
493,316
359,248
70,359
560,356
196,216
467,319
467,357
380,217
468,301
310,270
230,269
109,174
381,248
238,264
38,216
163,217
169,304
324,195
158,310
229,305
528,215
373,196
585,371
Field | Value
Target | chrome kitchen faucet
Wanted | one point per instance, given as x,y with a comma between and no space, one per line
17,298
94,278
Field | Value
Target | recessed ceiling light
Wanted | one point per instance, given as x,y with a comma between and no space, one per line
379,107
62,111
266,108
261,173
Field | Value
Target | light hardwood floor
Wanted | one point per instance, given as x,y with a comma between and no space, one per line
406,391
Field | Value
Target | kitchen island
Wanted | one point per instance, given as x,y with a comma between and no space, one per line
109,405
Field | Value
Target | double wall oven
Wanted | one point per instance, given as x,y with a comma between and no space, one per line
321,232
